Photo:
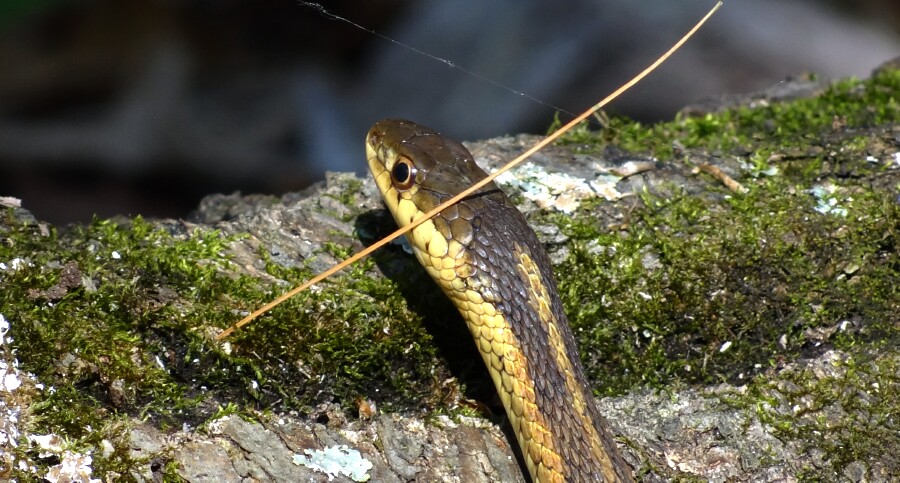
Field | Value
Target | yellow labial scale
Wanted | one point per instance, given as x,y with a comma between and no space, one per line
420,214
405,212
383,180
438,246
392,204
422,234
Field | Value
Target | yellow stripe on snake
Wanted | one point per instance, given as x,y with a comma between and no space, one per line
490,263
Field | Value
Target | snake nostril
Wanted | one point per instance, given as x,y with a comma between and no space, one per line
375,136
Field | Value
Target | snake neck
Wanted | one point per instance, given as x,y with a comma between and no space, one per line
503,286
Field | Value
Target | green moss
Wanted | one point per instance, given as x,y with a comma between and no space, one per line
355,336
845,104
117,319
846,413
93,314
657,303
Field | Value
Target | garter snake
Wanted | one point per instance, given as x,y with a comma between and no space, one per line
490,263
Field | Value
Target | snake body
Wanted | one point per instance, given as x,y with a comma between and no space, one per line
491,264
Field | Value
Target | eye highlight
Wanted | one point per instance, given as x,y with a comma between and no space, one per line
403,174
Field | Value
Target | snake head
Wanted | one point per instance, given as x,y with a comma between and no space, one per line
413,162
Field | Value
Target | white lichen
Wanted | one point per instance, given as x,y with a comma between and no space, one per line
828,202
559,191
74,468
335,461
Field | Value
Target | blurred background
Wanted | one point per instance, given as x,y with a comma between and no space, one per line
145,106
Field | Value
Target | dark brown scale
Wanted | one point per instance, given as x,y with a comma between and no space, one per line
442,226
462,230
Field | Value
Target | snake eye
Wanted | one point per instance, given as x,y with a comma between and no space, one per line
403,174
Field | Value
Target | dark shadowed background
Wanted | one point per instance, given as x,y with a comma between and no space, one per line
143,107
